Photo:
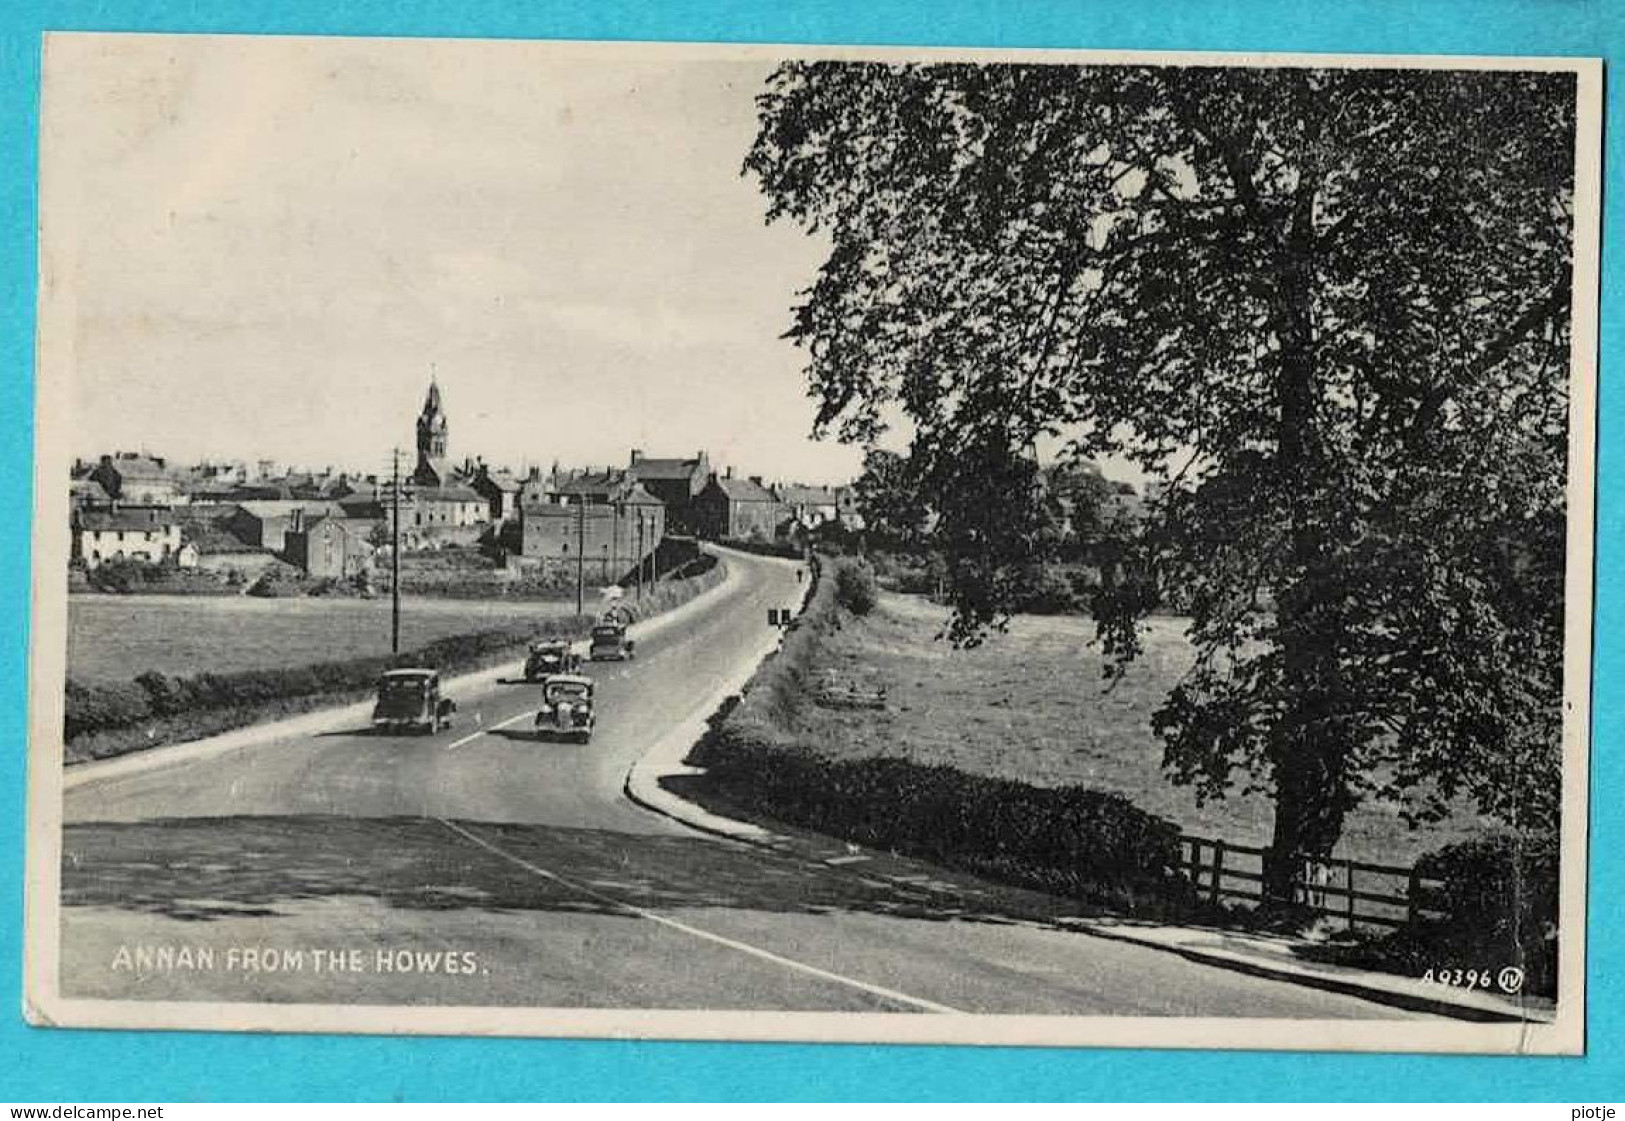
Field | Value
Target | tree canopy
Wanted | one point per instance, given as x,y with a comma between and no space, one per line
1327,309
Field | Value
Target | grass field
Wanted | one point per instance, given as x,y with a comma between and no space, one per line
1031,705
113,638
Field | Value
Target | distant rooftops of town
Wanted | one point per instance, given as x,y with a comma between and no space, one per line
143,477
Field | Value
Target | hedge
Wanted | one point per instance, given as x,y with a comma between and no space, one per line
786,549
1073,841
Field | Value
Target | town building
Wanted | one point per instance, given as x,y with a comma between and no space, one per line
330,547
221,551
605,523
730,507
265,524
138,479
145,533
449,507
87,492
500,489
807,507
677,483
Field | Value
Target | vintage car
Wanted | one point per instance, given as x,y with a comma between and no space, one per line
566,708
549,657
409,699
609,642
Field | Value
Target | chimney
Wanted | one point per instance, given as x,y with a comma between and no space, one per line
757,479
728,472
637,456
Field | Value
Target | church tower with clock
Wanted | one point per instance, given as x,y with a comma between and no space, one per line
433,469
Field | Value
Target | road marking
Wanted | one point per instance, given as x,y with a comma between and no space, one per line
472,736
694,931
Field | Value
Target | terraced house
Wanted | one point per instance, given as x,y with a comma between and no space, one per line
677,483
736,507
147,533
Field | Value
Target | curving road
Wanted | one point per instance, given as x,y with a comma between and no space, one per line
478,867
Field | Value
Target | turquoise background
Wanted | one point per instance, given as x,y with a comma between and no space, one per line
78,1066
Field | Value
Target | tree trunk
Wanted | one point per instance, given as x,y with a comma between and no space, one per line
1309,752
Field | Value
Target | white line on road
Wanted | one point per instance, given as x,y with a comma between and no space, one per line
743,947
472,736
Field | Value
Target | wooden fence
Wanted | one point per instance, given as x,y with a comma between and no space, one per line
1353,891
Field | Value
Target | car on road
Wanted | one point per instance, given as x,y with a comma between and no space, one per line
567,708
549,657
609,642
410,700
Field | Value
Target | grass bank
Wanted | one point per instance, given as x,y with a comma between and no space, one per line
1029,706
774,752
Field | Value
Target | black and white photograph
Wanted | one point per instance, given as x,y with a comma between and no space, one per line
703,541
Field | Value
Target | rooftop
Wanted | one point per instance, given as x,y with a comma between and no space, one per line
140,518
743,490
646,468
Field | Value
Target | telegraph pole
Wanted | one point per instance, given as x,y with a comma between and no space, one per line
395,554
581,554
654,554
639,577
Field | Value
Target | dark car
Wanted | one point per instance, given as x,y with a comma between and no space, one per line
567,708
549,657
410,700
609,642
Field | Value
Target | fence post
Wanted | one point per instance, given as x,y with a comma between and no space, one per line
1349,867
1413,890
1218,868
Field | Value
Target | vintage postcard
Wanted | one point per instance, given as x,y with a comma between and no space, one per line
757,542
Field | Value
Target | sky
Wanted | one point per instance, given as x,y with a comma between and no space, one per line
264,248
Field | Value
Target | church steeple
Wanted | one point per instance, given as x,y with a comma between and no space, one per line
432,439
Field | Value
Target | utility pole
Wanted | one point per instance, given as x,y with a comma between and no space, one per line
654,554
395,554
581,554
639,562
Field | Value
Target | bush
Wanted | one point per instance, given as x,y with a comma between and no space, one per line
276,581
855,585
96,708
1054,590
1499,896
1483,904
126,574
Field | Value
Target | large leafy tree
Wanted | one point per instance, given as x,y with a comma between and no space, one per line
1327,308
